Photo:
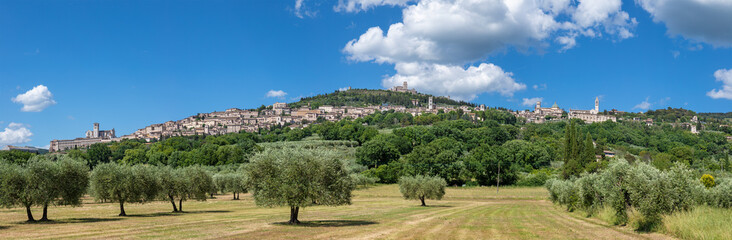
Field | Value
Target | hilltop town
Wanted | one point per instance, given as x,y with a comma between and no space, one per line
303,113
235,120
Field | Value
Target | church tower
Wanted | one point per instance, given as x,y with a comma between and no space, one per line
597,104
96,130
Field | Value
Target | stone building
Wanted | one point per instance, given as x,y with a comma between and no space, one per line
403,88
92,136
591,116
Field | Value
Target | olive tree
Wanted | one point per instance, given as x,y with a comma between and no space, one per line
197,183
16,188
172,184
297,177
233,182
422,187
124,184
42,176
65,181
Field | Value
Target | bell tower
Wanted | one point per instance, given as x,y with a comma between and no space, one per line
96,130
597,104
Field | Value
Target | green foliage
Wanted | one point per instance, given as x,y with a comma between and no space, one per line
485,163
377,152
648,188
535,178
17,188
43,182
120,183
721,194
198,183
365,97
172,185
363,180
422,187
231,182
579,151
298,178
589,193
15,156
98,153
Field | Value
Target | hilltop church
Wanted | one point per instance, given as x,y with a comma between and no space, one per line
591,116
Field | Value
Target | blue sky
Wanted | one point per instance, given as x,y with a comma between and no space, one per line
129,64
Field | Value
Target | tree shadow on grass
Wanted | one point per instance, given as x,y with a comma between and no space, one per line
71,220
328,223
159,214
438,206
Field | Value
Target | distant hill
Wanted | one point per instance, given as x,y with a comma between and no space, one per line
368,97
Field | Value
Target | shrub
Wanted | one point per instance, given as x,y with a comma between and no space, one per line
535,178
589,195
684,190
613,186
721,195
359,179
647,188
568,194
707,180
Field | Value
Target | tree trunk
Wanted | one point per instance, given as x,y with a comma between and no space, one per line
234,197
172,201
237,196
29,213
45,212
180,205
293,215
122,208
422,199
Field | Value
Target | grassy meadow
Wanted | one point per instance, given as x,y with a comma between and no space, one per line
376,213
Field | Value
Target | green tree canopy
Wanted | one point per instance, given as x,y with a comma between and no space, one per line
298,178
422,187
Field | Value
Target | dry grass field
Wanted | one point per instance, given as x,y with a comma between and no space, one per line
376,213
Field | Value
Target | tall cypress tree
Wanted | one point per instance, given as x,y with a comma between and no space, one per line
588,151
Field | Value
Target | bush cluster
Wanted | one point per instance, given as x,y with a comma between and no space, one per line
642,187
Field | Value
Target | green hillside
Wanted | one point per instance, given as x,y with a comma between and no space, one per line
367,97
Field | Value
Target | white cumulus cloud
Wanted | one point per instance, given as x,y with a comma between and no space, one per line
724,76
441,36
15,133
276,94
455,81
529,102
35,100
707,21
460,31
